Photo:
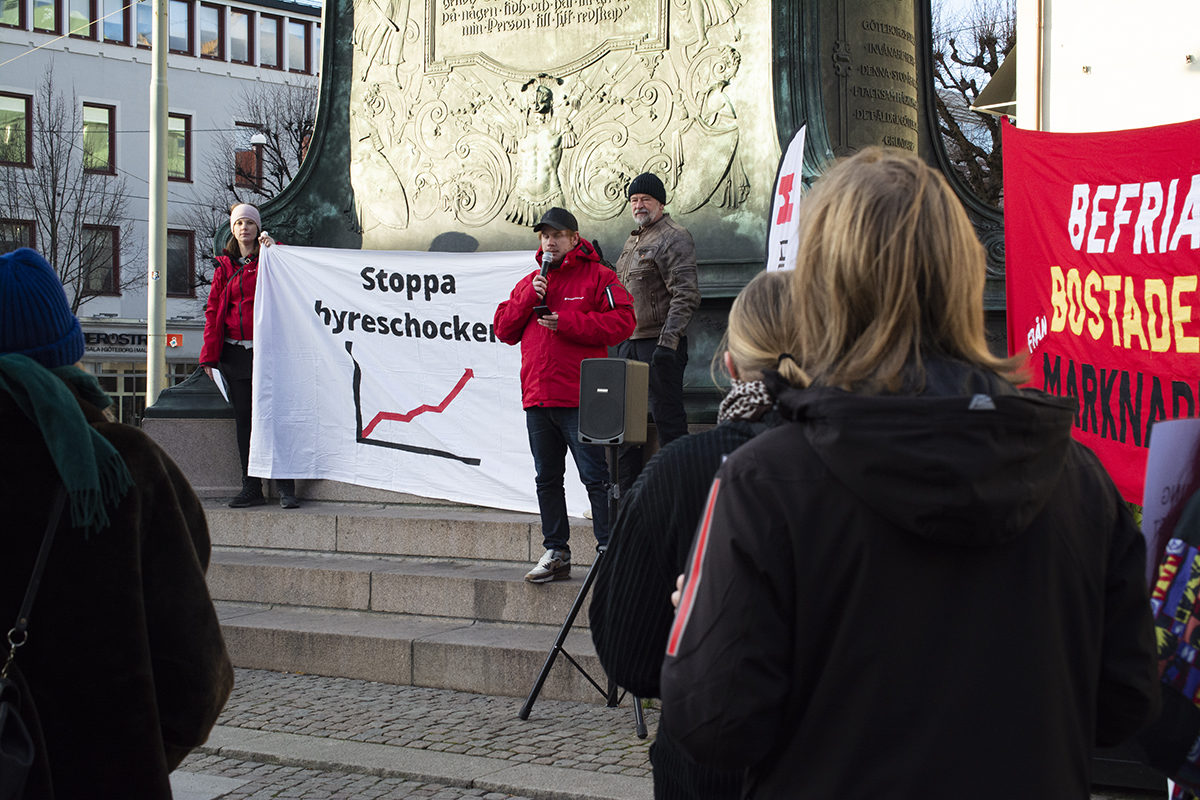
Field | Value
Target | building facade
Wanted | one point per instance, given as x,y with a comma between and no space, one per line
99,52
1101,65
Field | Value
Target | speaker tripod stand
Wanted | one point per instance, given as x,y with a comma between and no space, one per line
611,693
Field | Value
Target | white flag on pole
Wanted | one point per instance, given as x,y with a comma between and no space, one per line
781,241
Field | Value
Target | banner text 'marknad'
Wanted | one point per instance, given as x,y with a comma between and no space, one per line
1117,404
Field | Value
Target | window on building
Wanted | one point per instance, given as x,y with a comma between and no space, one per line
181,264
241,46
15,233
316,48
116,21
125,383
179,147
12,13
270,41
45,16
99,263
297,44
180,24
180,371
15,135
80,15
99,146
145,25
212,31
247,157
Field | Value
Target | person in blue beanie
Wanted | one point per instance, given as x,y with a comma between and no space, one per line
124,669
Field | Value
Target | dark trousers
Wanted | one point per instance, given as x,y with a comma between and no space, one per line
552,432
666,401
237,367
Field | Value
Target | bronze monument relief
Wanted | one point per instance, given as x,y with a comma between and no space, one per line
475,116
452,124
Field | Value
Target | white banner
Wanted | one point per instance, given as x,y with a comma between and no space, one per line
781,239
381,369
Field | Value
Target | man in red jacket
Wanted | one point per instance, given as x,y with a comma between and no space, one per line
576,310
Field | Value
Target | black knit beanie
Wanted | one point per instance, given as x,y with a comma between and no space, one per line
648,183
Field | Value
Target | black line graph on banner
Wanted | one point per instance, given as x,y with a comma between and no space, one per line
363,434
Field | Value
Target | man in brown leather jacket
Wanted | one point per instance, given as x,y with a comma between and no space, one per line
658,267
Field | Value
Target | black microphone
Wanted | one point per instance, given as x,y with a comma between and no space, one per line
541,309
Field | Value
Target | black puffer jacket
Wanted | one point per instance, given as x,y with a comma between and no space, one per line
913,596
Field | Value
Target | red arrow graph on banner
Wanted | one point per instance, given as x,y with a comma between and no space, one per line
408,417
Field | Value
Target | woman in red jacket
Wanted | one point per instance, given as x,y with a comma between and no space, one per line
229,339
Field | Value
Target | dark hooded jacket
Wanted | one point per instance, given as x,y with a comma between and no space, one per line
125,660
918,596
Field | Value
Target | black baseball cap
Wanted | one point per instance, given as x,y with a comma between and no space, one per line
558,218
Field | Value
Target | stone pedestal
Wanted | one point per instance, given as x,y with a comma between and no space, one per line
193,423
204,448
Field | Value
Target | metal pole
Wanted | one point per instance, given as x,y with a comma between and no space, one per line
156,296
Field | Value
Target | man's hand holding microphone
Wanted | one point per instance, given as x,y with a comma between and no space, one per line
546,318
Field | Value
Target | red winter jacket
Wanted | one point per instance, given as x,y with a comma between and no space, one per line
229,313
594,313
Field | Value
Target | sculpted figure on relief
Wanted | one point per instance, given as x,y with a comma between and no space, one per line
379,30
538,148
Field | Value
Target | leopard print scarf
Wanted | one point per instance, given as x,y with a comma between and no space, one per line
746,400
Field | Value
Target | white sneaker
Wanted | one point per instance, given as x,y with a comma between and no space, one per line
554,565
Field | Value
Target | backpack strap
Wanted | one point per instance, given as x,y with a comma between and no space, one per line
19,633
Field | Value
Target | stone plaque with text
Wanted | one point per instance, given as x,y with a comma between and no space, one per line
872,90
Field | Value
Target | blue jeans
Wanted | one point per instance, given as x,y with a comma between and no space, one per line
553,431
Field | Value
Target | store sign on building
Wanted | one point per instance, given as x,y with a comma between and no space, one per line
114,341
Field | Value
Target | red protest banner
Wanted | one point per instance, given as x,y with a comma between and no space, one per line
1102,235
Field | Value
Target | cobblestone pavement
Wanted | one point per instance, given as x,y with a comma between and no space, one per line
566,736
275,781
380,741
557,733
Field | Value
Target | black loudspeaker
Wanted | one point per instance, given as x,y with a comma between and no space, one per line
612,401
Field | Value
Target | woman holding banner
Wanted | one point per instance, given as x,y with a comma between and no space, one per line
919,585
229,339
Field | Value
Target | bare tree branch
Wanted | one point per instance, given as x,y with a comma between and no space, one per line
968,47
61,197
284,114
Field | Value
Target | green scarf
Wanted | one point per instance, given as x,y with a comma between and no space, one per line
91,469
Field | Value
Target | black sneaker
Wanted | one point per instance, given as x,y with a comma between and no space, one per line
288,500
248,496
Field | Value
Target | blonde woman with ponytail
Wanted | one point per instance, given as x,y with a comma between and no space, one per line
631,610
